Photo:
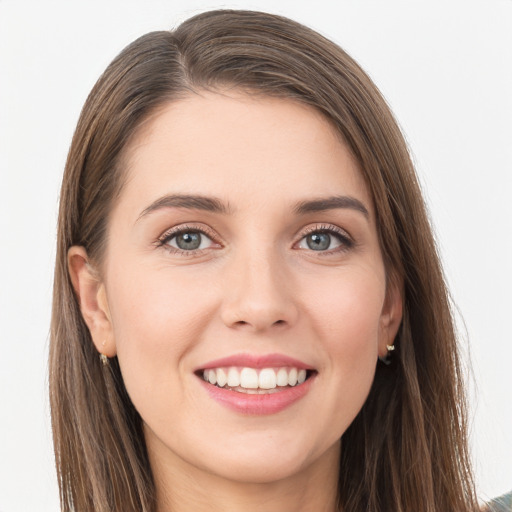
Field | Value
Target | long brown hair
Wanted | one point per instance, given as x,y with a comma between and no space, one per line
407,449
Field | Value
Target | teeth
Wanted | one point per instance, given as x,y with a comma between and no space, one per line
292,377
222,378
233,377
282,377
267,379
251,380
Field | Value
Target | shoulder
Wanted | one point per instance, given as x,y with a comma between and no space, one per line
501,504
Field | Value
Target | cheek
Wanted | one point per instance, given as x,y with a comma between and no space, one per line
157,305
157,321
347,321
348,311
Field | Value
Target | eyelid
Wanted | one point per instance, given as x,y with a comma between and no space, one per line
323,227
346,239
170,233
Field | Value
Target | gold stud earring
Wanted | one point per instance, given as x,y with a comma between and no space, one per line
387,358
103,357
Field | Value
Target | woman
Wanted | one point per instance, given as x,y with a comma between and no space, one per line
249,311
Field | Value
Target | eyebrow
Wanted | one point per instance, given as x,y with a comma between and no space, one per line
214,205
191,202
331,203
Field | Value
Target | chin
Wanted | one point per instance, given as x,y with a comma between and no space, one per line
270,470
271,459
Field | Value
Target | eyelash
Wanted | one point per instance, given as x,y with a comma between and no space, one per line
163,240
346,242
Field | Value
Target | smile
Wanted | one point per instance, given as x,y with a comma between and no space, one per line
255,381
257,384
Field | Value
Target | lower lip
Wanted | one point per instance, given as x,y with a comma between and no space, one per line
270,403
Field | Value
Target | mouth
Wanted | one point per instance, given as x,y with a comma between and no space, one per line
257,384
256,381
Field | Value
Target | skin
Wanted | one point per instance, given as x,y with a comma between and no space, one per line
255,286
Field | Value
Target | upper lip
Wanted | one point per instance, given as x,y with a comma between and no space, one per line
256,361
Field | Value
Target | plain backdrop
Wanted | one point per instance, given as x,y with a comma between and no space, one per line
444,66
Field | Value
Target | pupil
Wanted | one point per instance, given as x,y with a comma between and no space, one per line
319,241
188,241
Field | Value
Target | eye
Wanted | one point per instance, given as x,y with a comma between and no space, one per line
185,239
189,241
325,240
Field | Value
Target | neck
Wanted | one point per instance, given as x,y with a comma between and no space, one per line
182,487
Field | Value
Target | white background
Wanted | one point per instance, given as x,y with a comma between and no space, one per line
446,69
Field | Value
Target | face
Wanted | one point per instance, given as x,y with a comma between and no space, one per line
243,258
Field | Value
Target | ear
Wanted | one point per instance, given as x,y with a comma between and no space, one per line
92,298
391,316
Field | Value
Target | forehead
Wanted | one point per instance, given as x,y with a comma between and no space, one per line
242,148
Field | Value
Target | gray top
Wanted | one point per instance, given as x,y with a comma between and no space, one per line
501,504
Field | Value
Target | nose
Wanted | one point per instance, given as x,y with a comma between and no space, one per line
258,293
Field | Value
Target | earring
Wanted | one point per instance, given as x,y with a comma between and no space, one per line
387,358
103,357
